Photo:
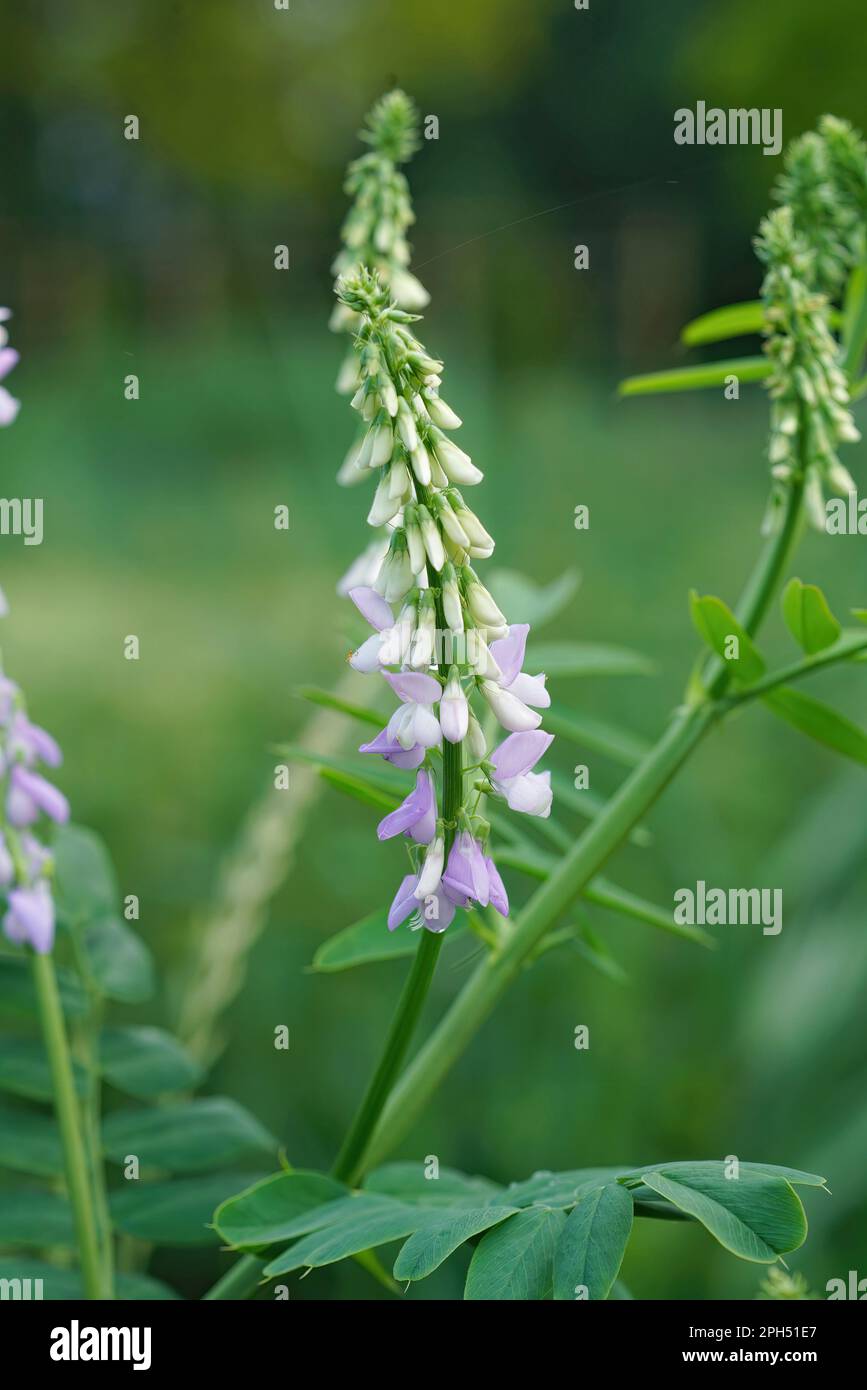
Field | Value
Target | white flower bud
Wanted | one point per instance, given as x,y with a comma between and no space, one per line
382,443
441,413
384,505
480,657
421,464
476,741
457,465
406,425
450,524
432,540
482,606
452,606
415,541
454,709
424,638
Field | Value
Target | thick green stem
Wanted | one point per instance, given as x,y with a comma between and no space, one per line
69,1123
589,854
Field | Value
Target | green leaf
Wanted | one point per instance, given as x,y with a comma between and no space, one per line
65,1285
35,1219
716,624
174,1213
818,721
589,805
585,659
120,964
516,1259
407,1183
591,946
324,698
354,1224
29,1143
269,1211
196,1135
18,993
441,1235
370,940
808,617
696,378
24,1070
525,601
593,1242
146,1062
596,735
716,1169
756,1217
85,880
558,1189
732,321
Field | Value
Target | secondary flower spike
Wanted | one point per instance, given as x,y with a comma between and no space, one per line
440,640
25,863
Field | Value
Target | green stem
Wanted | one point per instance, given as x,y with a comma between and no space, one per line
842,650
69,1123
587,857
239,1281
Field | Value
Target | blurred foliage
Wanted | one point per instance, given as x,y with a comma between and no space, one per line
156,258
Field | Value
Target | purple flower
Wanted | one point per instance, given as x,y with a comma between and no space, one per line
466,877
391,750
416,816
31,742
508,652
414,722
29,794
513,779
9,407
30,917
435,911
496,887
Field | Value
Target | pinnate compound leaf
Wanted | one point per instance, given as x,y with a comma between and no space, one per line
29,1143
65,1285
818,721
754,1216
195,1135
174,1213
36,1218
18,992
24,1070
355,1224
441,1235
272,1209
516,1259
146,1062
592,1244
408,1183
85,880
717,625
808,617
120,964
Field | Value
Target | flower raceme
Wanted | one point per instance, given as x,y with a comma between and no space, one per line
439,639
25,863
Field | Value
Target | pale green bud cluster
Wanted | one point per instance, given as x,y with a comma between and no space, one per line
374,232
809,415
825,185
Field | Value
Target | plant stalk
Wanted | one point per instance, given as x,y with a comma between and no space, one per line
69,1124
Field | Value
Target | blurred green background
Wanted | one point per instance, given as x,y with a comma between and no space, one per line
156,257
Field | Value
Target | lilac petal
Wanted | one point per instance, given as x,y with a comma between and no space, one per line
531,794
437,911
372,607
9,358
508,652
414,686
31,911
499,896
9,407
412,810
39,741
391,750
466,875
404,902
41,792
519,752
531,689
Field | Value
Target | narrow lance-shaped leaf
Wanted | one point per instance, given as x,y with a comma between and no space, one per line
731,321
818,721
699,378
